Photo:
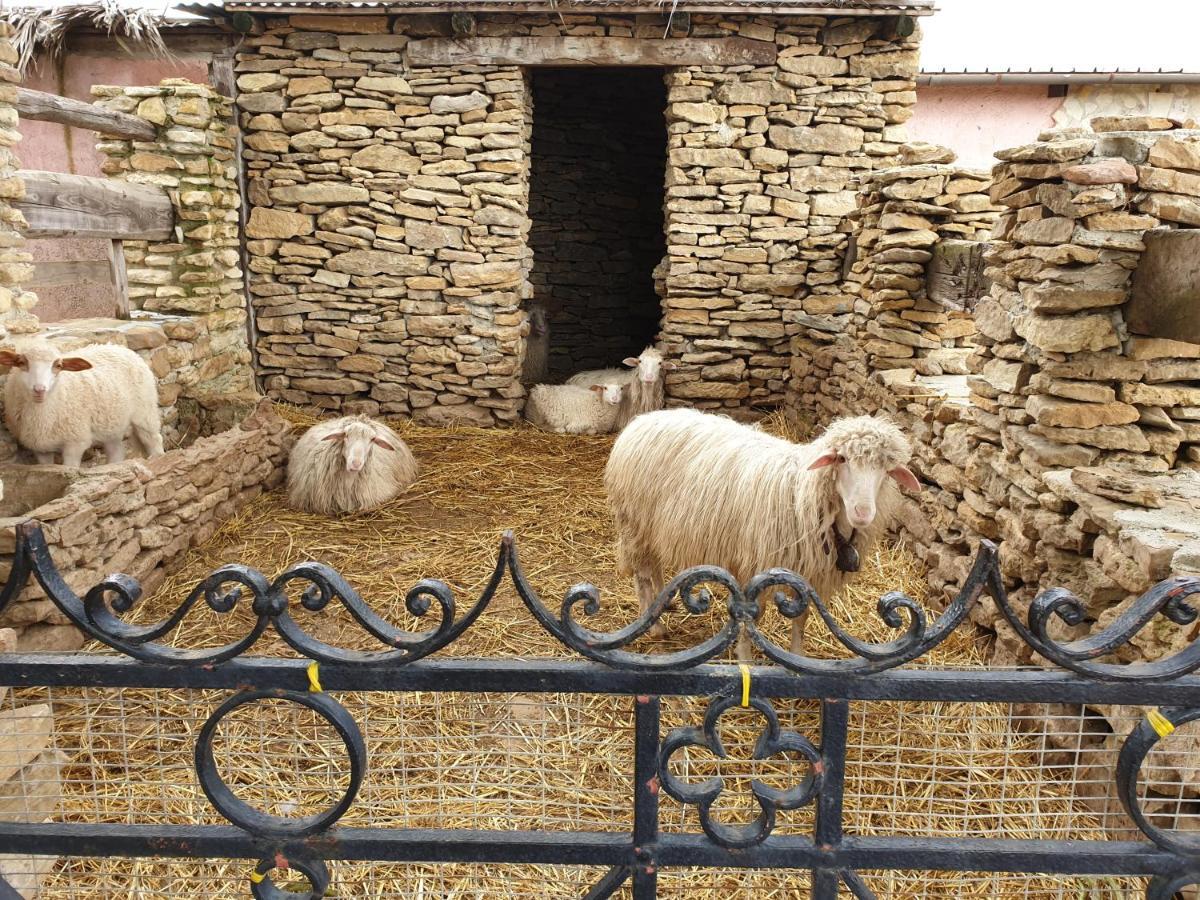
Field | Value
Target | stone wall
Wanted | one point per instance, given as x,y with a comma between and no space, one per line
15,303
1075,446
596,205
390,210
138,516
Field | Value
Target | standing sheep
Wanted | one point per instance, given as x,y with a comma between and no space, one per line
687,488
573,409
537,347
98,395
348,465
646,383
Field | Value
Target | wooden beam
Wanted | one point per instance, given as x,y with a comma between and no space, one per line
58,205
590,51
43,107
120,278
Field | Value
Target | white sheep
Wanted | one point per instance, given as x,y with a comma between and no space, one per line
573,409
645,380
688,488
348,465
537,346
68,404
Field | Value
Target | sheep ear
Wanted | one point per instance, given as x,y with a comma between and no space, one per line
630,361
74,364
905,478
598,388
825,459
336,436
380,442
12,359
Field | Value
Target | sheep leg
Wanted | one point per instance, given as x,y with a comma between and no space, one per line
798,625
648,588
150,438
73,454
114,451
45,459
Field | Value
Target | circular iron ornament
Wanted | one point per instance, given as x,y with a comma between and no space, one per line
773,740
245,816
1133,754
312,868
1168,887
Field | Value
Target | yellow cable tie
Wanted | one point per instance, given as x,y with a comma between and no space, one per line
257,877
314,681
745,684
1160,723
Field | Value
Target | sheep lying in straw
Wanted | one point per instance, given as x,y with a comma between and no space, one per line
537,347
348,465
687,488
68,404
572,409
645,380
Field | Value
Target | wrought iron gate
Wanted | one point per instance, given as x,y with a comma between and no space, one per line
1166,687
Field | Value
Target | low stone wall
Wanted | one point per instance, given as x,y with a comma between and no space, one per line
15,302
138,516
187,359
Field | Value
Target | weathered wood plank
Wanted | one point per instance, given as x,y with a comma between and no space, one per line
955,275
120,278
59,205
43,107
1165,301
47,273
590,51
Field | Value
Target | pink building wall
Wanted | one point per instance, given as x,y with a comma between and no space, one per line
59,148
976,120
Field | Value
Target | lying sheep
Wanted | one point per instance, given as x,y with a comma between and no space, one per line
348,465
68,404
688,488
573,409
645,380
537,347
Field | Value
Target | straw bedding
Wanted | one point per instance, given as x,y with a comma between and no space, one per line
535,762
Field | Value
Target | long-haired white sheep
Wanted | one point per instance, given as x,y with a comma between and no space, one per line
96,395
348,465
688,488
645,380
572,409
537,346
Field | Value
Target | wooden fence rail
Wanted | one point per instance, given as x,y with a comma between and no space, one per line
42,107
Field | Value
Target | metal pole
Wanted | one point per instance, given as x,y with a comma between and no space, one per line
645,796
827,833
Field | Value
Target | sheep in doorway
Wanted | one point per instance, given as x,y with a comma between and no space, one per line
573,409
96,395
644,377
348,465
688,488
537,347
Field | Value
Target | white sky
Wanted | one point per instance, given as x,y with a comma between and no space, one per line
1062,35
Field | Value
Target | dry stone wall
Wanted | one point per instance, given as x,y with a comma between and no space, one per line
390,205
15,302
138,516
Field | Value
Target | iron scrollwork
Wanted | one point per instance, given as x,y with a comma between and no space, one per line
773,740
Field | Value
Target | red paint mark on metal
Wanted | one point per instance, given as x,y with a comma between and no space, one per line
653,785
643,698
819,767
280,860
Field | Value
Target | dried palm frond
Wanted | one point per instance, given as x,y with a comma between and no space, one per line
45,31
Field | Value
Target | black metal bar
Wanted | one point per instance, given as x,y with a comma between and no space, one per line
597,849
608,883
569,676
827,833
7,891
647,716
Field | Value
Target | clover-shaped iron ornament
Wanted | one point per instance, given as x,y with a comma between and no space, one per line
773,740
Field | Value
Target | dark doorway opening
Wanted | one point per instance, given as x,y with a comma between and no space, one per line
596,201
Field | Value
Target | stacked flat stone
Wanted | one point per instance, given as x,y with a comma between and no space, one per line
390,209
906,211
138,517
30,778
16,303
198,274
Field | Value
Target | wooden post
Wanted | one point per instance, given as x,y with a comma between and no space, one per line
120,280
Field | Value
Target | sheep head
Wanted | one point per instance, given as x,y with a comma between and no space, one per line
649,365
38,364
359,440
610,393
864,452
538,324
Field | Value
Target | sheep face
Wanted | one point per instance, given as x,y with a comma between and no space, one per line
39,366
538,325
649,365
359,441
859,483
610,393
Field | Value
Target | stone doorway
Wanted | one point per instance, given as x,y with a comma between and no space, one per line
596,203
